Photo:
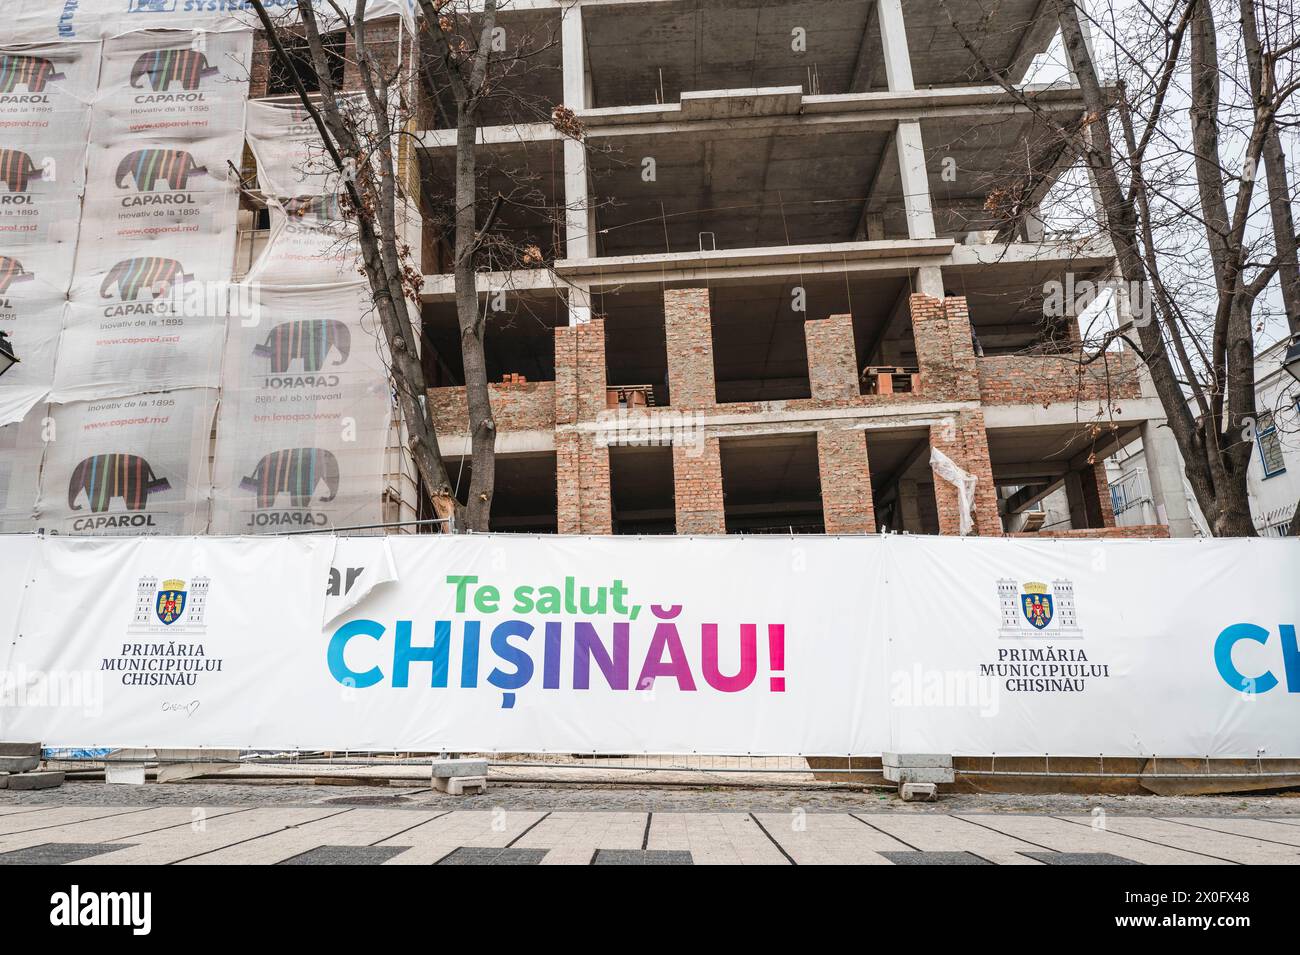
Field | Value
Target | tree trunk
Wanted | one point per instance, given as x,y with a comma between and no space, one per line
1122,227
483,431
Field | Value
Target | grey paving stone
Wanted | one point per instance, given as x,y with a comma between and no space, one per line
935,858
59,853
474,855
1079,858
642,857
346,855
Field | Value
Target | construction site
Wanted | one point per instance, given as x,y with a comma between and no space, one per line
779,245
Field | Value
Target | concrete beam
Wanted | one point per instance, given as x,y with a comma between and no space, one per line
915,181
759,111
899,257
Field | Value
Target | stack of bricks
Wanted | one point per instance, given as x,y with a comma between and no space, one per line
697,473
581,465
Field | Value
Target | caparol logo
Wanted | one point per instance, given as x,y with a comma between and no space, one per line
162,68
32,72
1267,680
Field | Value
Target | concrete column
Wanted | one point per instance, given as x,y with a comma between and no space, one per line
847,506
573,40
697,488
929,281
689,333
579,217
1165,475
915,182
893,38
832,358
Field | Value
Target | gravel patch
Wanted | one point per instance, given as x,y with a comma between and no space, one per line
640,798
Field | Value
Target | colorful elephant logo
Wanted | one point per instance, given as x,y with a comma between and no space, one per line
149,167
296,472
131,276
309,340
17,171
11,271
165,67
106,476
30,71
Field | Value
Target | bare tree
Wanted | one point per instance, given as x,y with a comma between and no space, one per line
470,75
366,157
1193,244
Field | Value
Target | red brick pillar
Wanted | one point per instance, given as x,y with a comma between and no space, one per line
846,482
832,358
944,351
697,488
581,465
967,444
690,348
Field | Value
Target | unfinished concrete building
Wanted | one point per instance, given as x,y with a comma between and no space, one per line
779,283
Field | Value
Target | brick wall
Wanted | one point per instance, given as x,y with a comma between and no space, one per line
581,468
846,482
967,444
1040,379
579,372
697,489
581,485
690,348
832,357
515,407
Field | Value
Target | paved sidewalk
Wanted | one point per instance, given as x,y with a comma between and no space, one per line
337,834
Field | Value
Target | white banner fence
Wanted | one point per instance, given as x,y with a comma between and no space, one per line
813,646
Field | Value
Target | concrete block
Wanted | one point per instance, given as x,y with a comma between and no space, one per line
18,764
918,760
20,749
451,768
918,792
4,780
460,785
908,774
26,781
124,774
